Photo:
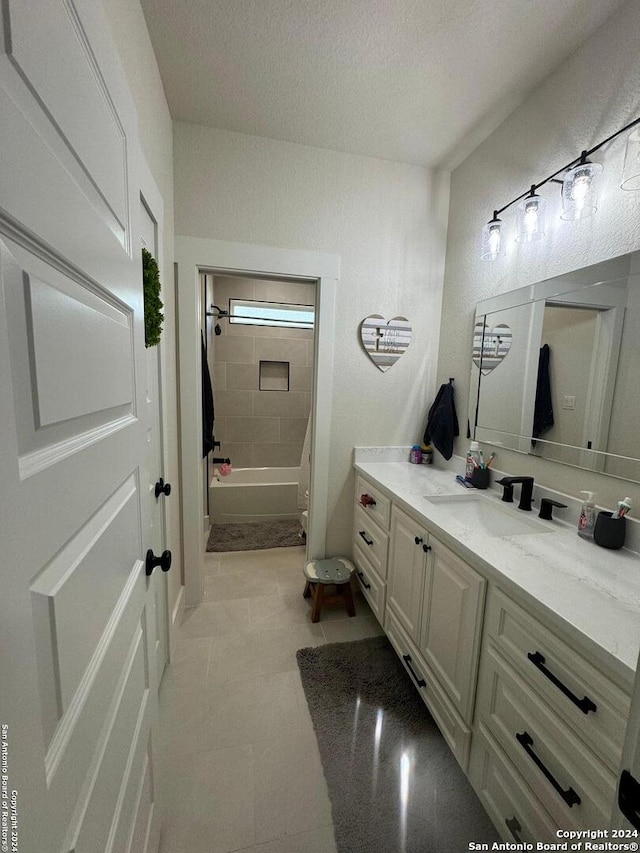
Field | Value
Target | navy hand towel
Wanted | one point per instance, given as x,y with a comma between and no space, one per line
207,403
442,422
543,408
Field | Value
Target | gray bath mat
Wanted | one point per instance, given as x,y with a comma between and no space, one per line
255,535
394,785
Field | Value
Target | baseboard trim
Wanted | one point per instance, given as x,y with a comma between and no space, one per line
176,619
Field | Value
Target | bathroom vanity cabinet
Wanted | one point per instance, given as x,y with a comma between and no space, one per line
430,603
534,719
433,618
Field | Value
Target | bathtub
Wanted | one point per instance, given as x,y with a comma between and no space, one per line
254,494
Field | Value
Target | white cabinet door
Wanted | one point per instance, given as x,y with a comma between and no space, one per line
451,624
406,573
78,705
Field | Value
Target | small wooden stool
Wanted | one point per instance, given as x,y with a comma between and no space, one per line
320,574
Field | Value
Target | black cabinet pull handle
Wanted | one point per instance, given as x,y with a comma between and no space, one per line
426,548
585,704
151,561
162,488
569,796
419,681
367,500
514,828
364,583
418,540
364,536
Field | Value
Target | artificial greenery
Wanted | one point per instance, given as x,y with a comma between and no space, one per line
153,315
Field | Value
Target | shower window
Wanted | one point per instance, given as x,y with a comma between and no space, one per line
250,312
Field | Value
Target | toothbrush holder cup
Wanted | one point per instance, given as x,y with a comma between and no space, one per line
609,532
481,478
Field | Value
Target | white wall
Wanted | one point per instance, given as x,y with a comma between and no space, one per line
386,220
156,139
594,93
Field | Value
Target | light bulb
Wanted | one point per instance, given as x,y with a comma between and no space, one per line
530,218
581,189
494,240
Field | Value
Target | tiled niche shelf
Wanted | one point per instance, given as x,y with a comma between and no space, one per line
274,376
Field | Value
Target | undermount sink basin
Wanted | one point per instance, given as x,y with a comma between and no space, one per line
476,511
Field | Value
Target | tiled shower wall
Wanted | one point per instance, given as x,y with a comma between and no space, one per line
259,429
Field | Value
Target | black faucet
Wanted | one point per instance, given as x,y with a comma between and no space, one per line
526,491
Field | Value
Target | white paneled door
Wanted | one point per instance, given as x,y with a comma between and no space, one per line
78,668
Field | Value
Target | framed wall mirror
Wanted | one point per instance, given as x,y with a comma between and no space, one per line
555,369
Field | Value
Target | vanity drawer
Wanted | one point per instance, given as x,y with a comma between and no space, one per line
380,508
511,805
454,731
572,784
373,588
373,541
556,670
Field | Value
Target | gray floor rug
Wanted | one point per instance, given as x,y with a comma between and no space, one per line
379,748
255,535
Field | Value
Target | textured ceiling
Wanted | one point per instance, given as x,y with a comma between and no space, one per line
418,81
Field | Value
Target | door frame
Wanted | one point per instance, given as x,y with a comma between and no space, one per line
151,197
193,254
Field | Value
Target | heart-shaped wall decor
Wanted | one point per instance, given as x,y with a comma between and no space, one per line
385,340
490,345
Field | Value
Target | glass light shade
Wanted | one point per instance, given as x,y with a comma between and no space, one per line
530,219
491,240
580,191
631,168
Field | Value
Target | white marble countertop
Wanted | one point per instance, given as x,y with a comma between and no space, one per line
591,594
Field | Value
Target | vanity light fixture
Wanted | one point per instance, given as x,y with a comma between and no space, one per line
579,195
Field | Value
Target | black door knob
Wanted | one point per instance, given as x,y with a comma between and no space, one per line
164,561
162,487
426,548
417,539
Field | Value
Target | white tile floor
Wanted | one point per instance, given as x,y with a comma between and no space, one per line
239,762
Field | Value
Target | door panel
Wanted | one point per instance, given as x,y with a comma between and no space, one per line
126,721
72,68
77,612
55,319
73,598
55,314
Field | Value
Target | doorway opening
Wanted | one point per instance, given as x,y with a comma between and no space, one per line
259,341
195,256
